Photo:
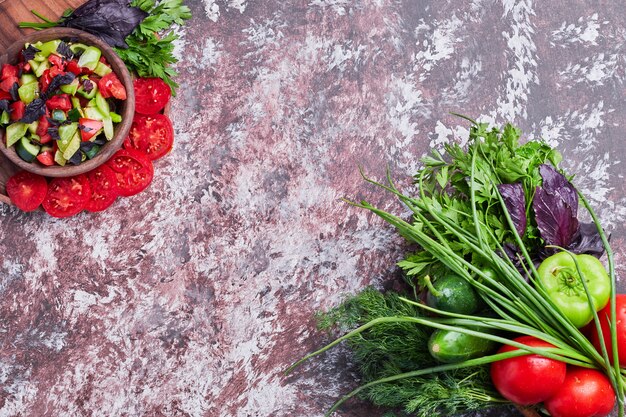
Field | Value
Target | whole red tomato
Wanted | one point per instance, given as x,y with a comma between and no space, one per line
605,315
584,393
528,379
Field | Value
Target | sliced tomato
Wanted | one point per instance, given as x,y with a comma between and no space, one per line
151,135
46,158
17,110
111,86
9,70
7,83
27,190
103,183
151,95
67,196
56,61
133,171
59,102
89,128
73,67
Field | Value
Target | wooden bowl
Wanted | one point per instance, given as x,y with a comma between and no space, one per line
126,108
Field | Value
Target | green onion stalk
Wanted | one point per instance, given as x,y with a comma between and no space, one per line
520,302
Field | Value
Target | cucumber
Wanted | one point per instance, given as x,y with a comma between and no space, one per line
27,150
454,294
15,132
450,347
92,151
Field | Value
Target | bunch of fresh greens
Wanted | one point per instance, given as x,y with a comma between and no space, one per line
133,28
481,214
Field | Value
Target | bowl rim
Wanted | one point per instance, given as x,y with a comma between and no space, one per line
121,129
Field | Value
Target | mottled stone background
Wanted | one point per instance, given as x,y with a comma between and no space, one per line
191,298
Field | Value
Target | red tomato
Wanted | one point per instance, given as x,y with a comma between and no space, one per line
43,139
61,102
73,67
56,61
44,80
46,158
151,135
67,196
42,126
620,319
9,70
56,70
7,83
133,171
111,86
17,110
517,378
5,96
151,95
24,66
27,190
88,128
104,191
584,393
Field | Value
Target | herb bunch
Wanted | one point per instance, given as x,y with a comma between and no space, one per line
462,219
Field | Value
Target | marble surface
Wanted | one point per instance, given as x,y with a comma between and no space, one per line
191,298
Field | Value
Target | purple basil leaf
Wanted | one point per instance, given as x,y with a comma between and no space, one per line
587,240
13,91
58,81
87,85
110,20
4,105
34,110
64,50
54,133
29,53
515,202
556,208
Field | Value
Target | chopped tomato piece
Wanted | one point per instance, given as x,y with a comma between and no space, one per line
88,128
42,126
46,158
55,70
73,67
17,110
44,80
9,70
60,102
27,190
111,86
4,95
45,139
24,66
7,83
56,61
